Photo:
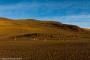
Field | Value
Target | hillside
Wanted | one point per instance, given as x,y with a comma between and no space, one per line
30,29
29,39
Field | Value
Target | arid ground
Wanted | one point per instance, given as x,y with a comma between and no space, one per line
29,39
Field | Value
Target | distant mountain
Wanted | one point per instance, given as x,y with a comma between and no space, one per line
31,29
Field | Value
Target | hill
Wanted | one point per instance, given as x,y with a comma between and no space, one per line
29,39
30,29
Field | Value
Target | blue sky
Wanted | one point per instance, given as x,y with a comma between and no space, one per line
75,12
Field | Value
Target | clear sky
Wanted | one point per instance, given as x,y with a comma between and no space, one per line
75,12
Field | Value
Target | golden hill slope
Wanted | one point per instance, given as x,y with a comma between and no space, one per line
30,29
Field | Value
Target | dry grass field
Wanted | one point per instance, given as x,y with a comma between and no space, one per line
42,40
45,50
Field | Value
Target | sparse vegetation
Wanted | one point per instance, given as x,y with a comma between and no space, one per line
41,50
43,40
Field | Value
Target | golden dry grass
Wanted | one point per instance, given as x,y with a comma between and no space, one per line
43,40
45,50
